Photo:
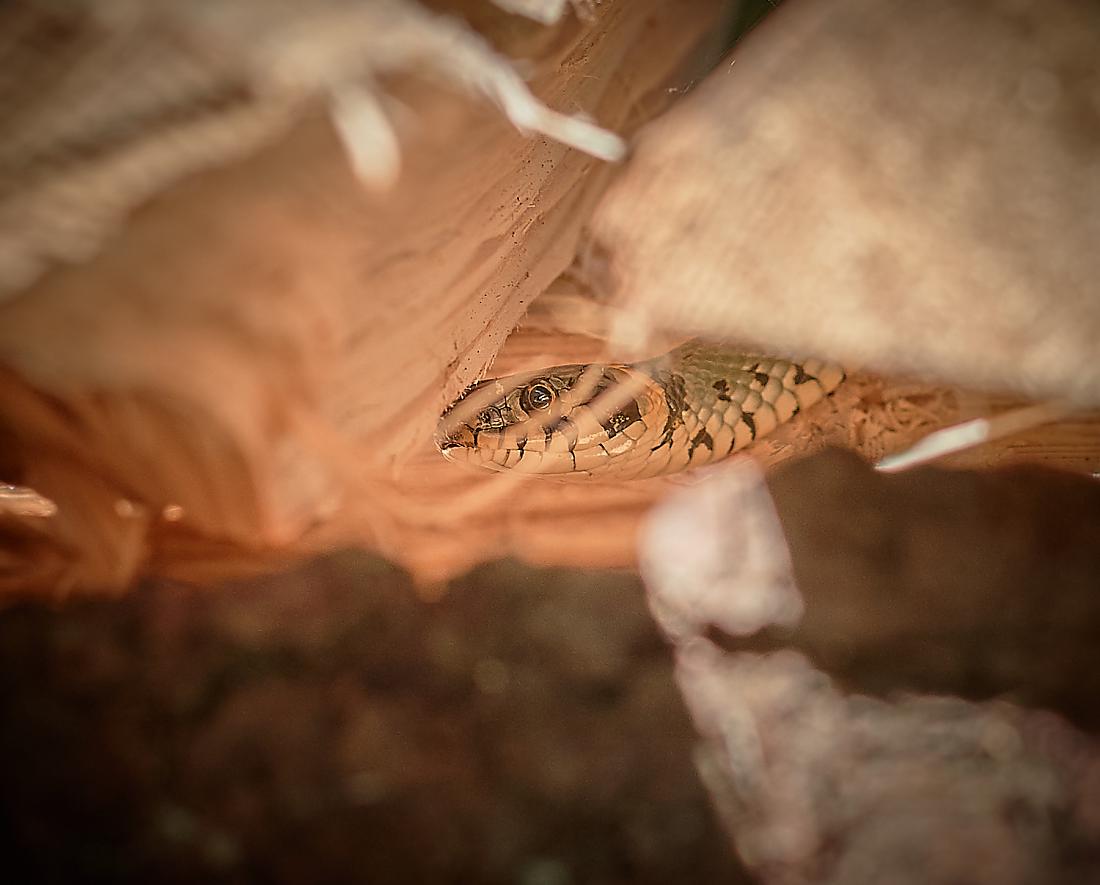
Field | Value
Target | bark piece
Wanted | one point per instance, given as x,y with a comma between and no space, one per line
907,187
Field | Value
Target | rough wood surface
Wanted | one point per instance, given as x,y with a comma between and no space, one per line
438,519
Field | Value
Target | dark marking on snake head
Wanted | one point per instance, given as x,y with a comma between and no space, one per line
801,376
762,378
521,444
491,418
750,422
702,438
618,421
723,388
568,429
676,399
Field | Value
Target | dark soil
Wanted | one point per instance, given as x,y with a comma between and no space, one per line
329,726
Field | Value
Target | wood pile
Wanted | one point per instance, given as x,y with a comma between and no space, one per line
250,251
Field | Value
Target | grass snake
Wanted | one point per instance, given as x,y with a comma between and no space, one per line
692,406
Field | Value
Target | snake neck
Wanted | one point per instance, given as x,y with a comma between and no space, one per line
720,400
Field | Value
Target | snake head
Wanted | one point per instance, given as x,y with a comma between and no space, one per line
567,420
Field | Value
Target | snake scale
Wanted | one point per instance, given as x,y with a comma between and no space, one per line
692,406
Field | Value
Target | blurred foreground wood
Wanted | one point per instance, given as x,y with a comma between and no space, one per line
910,187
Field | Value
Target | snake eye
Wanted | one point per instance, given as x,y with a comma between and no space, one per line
538,396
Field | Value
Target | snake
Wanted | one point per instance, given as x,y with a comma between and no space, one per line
618,421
